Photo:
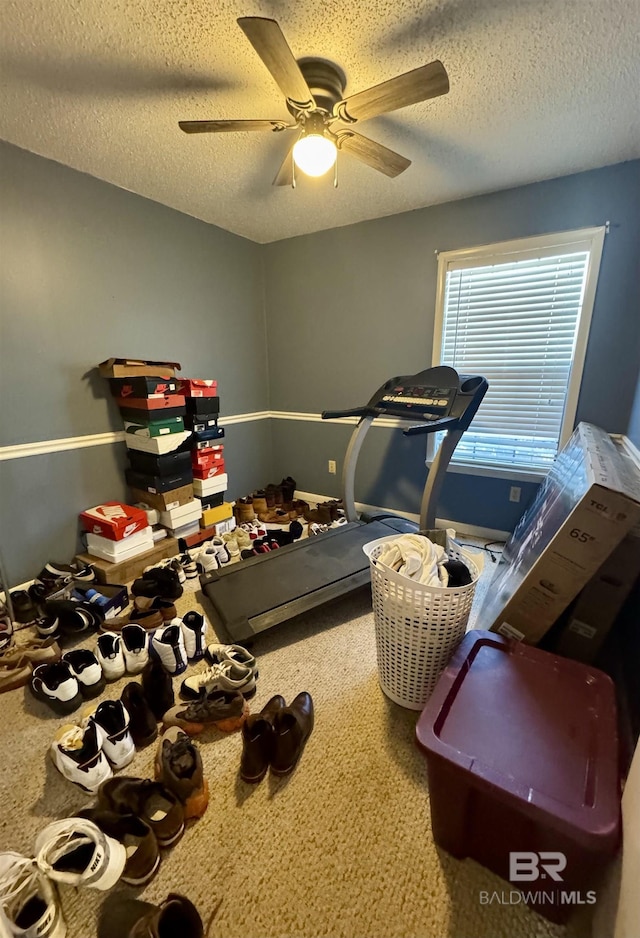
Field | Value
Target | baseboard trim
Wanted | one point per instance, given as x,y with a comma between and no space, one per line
461,528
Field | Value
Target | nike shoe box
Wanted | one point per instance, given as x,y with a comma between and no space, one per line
153,515
167,465
156,484
215,515
205,534
152,403
161,427
211,501
136,368
203,487
142,387
198,387
157,444
164,501
202,405
206,458
200,422
137,415
113,520
183,514
211,472
115,551
197,444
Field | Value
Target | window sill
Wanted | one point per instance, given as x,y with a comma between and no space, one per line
496,472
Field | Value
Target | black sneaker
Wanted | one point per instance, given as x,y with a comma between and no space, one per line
66,571
74,617
157,688
161,581
56,685
24,608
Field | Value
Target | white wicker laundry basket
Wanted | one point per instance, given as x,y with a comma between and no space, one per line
417,627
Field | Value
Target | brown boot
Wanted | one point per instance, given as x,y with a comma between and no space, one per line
178,766
122,917
258,741
292,728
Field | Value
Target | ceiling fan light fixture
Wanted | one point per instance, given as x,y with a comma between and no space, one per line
314,154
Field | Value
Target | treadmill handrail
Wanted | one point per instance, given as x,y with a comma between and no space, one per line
432,427
354,412
374,412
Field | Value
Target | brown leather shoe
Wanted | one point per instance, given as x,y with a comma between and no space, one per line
139,841
292,728
145,605
131,918
149,621
151,801
258,741
178,765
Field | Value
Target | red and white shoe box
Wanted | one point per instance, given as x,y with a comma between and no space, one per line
198,387
211,472
114,520
124,549
211,486
205,458
176,517
154,402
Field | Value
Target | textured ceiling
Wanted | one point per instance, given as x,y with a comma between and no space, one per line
539,88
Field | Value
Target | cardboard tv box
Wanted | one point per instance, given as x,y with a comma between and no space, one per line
137,368
594,613
588,503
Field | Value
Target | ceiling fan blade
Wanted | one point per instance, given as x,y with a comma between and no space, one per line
268,40
423,83
373,154
222,127
284,176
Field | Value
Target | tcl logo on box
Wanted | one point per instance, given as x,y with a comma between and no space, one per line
114,520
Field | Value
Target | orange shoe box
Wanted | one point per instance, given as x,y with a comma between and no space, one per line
210,472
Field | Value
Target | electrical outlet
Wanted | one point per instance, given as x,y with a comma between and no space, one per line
514,493
332,466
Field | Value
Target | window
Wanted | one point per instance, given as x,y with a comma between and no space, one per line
519,313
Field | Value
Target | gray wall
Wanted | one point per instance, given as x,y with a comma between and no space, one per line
633,430
350,307
90,271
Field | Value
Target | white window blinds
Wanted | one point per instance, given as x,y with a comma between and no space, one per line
515,322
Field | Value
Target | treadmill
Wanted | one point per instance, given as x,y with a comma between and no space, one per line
261,592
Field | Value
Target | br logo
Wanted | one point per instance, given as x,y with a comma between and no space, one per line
525,866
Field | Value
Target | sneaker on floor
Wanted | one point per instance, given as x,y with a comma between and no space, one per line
55,685
112,718
142,723
171,563
75,851
110,655
67,571
16,676
221,550
87,670
178,765
226,712
151,801
135,648
120,915
159,581
77,754
35,651
216,654
193,632
24,608
207,560
167,645
227,676
157,688
48,627
137,838
29,904
189,565
145,605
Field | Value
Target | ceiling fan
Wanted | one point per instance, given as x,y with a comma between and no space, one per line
322,118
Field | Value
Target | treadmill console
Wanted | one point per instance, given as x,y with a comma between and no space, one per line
439,396
429,403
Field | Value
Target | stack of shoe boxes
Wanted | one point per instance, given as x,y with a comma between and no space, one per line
207,454
159,475
116,532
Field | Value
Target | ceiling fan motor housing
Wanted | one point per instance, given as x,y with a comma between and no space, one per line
326,82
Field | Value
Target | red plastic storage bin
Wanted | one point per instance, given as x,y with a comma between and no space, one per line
522,761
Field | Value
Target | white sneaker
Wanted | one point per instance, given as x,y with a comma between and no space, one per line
87,671
76,852
109,654
112,718
53,683
189,565
207,559
215,654
221,549
77,754
231,542
29,905
193,629
226,676
167,644
135,647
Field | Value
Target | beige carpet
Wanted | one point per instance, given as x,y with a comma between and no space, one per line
340,848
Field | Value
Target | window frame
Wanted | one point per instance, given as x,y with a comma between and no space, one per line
589,239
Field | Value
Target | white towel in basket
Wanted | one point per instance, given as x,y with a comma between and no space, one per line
416,557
